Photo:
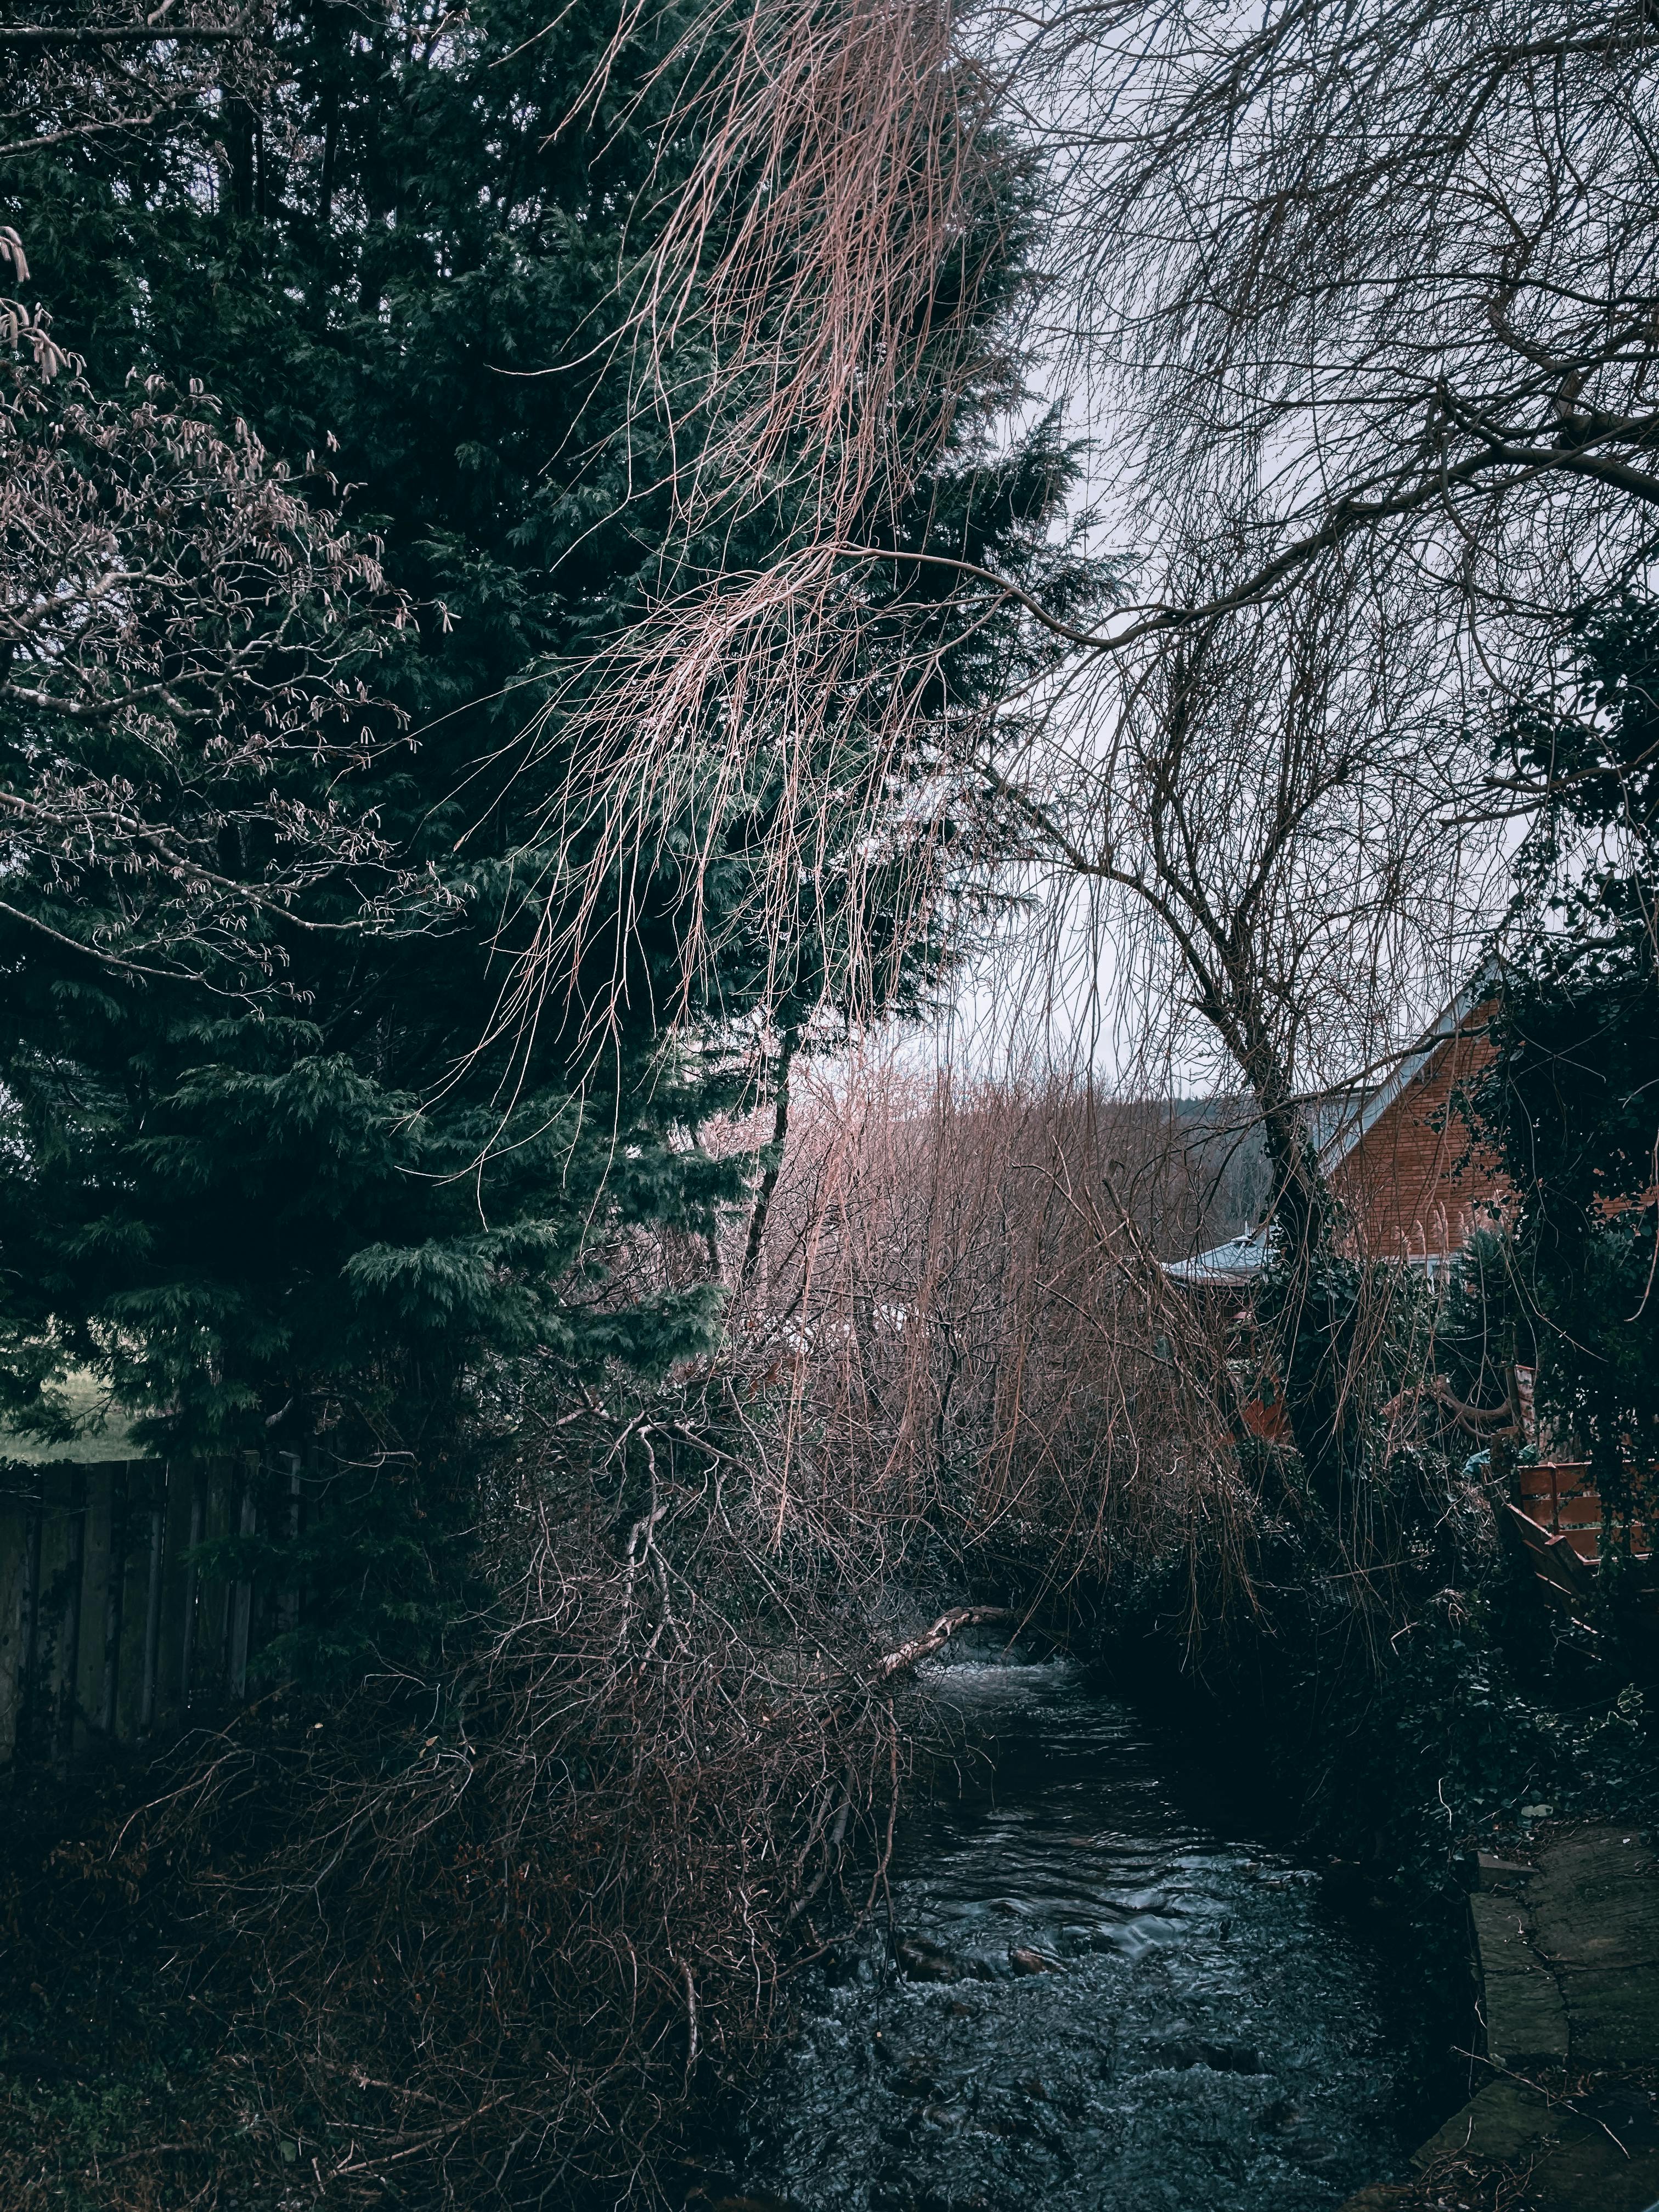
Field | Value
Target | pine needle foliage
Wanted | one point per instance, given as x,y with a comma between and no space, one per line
1570,1101
339,1209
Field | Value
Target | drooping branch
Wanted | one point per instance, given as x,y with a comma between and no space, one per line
120,34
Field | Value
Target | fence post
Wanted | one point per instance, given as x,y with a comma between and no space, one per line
158,1524
68,1647
187,1655
115,1600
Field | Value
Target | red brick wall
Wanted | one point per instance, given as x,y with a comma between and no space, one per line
1414,1184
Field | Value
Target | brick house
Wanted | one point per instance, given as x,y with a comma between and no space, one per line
1399,1155
1417,1187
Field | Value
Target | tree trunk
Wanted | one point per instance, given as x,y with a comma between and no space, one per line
1308,1310
768,1182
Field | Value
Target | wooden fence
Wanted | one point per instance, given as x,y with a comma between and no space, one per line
109,1632
1558,1521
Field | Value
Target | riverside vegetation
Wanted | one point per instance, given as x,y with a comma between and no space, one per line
541,621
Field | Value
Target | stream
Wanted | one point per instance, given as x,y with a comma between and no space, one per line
1100,1991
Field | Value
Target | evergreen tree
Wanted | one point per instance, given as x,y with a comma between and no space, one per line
1572,1101
344,1212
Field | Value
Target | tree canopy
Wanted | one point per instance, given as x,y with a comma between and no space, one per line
399,260
1571,1100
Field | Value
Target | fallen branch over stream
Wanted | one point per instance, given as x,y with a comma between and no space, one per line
924,1646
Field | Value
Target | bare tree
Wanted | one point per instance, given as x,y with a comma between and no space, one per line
1396,265
1261,810
1359,297
1263,802
77,69
184,638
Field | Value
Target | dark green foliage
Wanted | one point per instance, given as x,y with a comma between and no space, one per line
333,1213
109,2093
1308,1304
1572,1102
1479,1331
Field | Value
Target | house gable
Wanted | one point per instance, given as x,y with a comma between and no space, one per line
1416,1184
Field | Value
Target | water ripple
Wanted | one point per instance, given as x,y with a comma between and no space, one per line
1088,1999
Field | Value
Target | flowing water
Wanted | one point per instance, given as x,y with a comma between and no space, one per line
1097,1993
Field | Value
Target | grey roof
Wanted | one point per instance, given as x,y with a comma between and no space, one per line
1238,1261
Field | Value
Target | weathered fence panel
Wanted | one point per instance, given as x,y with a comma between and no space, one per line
111,1630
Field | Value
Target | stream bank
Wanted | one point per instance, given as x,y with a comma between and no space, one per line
1565,1947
